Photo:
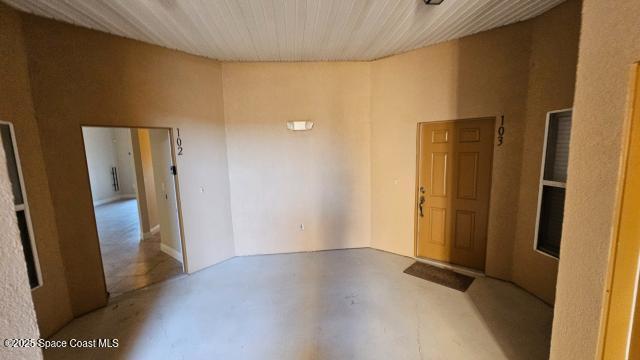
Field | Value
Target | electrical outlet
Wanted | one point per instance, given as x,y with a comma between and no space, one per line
301,227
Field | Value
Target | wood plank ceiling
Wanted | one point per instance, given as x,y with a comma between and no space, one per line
288,30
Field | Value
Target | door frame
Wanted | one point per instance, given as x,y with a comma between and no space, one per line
623,273
185,261
417,195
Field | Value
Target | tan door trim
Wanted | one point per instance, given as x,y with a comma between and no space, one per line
417,179
613,342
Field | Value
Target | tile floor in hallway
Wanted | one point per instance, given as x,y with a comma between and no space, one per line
129,263
342,304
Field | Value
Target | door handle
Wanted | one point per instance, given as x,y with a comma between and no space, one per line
420,205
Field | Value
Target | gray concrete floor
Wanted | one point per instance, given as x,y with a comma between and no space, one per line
343,304
128,262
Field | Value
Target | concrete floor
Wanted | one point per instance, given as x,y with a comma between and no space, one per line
129,263
343,304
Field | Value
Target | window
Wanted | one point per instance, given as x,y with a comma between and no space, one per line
20,204
553,183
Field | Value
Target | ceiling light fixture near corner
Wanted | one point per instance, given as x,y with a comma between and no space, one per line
433,2
299,125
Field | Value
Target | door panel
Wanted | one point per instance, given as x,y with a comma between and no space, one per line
438,224
454,184
439,174
465,229
468,175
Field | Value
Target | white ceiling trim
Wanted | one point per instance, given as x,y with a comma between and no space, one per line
289,30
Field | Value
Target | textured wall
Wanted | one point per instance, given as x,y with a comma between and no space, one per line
51,299
554,56
609,45
18,320
281,179
521,71
83,77
477,76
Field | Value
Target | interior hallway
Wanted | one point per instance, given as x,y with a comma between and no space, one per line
128,262
341,304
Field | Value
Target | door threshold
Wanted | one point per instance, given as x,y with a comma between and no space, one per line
457,268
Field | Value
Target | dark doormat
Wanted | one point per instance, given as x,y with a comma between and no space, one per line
440,276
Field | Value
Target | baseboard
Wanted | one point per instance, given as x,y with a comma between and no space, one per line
171,252
113,198
154,230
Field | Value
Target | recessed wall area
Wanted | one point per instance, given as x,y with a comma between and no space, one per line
251,186
298,191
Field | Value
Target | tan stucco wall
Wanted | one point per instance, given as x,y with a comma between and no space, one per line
280,178
18,320
609,45
554,53
498,72
83,77
477,76
51,299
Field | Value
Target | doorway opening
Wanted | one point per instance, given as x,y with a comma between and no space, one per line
133,187
453,186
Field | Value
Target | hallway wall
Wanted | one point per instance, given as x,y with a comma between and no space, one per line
83,77
144,181
51,300
609,47
520,71
16,303
105,148
281,179
124,157
552,77
166,204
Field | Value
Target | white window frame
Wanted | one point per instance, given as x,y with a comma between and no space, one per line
543,182
25,205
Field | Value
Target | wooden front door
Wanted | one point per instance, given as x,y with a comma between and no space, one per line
454,184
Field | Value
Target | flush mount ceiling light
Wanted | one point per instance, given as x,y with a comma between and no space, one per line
433,2
299,125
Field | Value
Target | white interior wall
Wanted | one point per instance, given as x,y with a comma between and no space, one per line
124,156
166,201
98,145
107,147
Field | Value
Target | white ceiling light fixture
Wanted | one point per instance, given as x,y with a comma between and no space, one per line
299,125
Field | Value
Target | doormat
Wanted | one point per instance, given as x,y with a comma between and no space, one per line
440,276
